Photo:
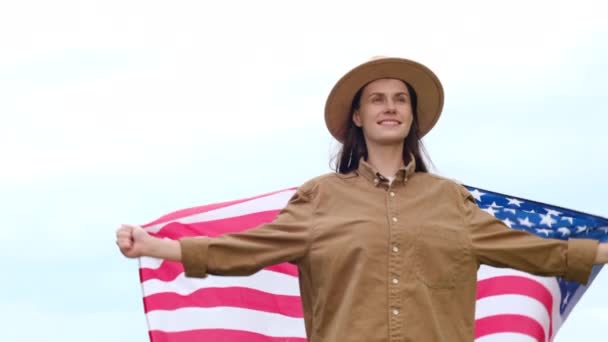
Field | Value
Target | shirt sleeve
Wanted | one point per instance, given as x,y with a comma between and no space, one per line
495,244
285,239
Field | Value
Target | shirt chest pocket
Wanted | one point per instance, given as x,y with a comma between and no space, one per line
439,256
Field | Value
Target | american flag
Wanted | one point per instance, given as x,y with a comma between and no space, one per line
511,305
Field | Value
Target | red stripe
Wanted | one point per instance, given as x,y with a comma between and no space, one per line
213,335
240,297
509,323
205,208
169,270
176,230
503,285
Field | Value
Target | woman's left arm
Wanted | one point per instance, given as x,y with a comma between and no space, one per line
495,244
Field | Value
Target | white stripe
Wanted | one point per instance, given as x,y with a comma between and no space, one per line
269,324
486,271
276,201
550,283
266,281
506,337
149,262
513,304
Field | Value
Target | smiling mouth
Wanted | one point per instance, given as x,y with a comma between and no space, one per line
389,122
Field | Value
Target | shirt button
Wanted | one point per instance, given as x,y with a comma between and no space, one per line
394,219
392,194
376,180
395,312
395,249
395,281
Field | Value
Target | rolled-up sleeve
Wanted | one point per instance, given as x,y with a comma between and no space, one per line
286,239
495,244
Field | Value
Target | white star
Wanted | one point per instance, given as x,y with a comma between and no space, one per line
477,194
566,298
526,222
565,231
490,210
508,222
513,201
547,219
580,229
512,211
553,212
494,205
569,219
543,231
604,229
530,211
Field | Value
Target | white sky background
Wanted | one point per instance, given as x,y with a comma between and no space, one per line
122,111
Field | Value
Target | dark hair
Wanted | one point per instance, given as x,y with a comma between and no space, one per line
354,146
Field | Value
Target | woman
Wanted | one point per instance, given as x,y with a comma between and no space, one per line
386,251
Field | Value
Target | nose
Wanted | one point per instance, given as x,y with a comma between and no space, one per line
391,107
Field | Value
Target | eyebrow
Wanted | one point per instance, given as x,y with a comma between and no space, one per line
383,94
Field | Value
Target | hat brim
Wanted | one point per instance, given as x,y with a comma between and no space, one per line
428,89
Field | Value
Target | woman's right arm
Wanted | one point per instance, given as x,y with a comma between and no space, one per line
286,239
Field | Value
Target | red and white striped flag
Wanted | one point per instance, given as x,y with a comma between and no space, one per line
511,306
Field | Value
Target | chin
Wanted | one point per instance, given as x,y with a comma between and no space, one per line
389,141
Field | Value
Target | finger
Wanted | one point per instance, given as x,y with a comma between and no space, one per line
124,234
126,237
129,226
124,243
120,245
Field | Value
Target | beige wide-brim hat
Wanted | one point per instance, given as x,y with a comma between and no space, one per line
426,84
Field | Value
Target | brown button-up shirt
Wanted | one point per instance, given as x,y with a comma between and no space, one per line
386,262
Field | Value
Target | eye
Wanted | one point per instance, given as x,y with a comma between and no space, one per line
402,99
376,99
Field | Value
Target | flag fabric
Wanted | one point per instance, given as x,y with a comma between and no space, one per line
511,305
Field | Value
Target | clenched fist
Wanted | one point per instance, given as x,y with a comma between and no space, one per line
134,242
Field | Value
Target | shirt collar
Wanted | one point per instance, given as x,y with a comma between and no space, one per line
370,173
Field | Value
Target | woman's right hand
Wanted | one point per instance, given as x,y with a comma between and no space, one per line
132,240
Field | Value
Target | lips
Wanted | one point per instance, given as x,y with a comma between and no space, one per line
389,122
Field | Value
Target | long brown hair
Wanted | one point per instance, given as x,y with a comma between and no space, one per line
354,147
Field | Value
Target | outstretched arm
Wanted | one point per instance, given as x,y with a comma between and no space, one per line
285,239
495,244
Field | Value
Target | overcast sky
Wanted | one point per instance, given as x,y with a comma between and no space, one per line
122,111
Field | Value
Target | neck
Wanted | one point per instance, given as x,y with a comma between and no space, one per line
387,159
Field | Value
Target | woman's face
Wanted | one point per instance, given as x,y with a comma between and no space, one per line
385,112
